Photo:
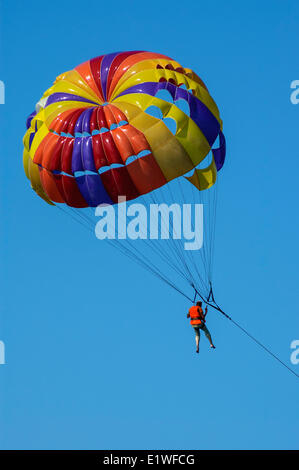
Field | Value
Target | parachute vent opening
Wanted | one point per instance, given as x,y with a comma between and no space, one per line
205,162
101,130
183,105
165,96
175,69
216,143
171,124
141,154
154,111
77,174
105,168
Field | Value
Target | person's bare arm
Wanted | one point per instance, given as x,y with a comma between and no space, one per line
188,315
206,312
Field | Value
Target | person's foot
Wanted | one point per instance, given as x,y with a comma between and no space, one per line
197,350
212,346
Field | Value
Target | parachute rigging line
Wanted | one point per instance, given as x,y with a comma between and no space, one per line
139,259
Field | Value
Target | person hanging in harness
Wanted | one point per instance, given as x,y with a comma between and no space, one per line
198,320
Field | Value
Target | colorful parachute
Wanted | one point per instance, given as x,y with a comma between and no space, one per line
122,124
93,120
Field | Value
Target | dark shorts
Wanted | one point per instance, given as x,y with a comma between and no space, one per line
199,327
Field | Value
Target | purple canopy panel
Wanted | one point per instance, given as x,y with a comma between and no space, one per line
56,97
105,67
31,137
86,119
93,191
29,119
76,155
87,154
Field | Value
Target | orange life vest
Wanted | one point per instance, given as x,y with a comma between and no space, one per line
196,315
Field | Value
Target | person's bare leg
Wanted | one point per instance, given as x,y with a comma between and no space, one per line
208,335
197,343
197,338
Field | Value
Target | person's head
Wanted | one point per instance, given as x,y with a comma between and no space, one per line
199,303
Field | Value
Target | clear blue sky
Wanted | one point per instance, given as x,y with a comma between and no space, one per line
99,354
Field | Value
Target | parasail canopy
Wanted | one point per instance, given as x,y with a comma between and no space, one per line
136,125
91,139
